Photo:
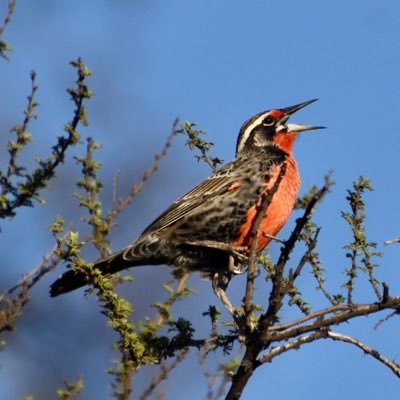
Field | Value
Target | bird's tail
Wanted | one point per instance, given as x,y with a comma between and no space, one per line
140,253
72,280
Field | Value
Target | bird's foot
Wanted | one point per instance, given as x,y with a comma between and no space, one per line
237,251
219,284
236,266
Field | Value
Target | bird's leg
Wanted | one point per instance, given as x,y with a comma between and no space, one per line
235,251
219,284
236,262
220,280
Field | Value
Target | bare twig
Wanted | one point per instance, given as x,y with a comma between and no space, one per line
293,345
323,334
382,320
120,204
316,314
274,238
368,350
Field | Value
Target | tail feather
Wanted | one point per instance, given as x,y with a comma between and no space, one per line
72,280
144,251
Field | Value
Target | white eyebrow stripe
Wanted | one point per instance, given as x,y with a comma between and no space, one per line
248,130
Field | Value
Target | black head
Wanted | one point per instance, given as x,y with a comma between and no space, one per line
268,127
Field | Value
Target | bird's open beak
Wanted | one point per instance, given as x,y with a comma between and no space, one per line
302,127
292,109
297,127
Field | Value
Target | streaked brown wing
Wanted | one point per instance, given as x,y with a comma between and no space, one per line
214,186
225,180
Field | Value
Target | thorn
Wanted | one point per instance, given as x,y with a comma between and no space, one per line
385,296
274,238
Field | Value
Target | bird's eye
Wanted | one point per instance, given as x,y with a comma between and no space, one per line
268,121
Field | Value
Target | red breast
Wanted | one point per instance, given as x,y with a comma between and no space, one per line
279,209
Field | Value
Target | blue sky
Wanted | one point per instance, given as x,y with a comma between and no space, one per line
215,63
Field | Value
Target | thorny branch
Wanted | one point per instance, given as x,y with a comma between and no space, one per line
23,193
195,141
360,247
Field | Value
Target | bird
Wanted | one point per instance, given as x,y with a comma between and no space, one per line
207,229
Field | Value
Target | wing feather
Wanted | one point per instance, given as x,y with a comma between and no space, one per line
214,186
225,180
